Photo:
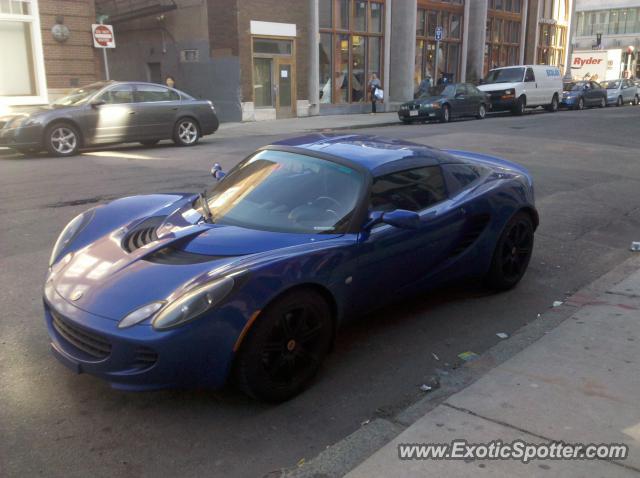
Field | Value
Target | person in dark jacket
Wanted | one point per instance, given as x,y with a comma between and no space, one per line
374,84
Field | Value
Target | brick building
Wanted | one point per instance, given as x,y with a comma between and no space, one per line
51,49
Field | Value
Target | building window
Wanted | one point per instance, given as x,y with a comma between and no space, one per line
23,83
448,16
551,45
351,38
504,24
612,22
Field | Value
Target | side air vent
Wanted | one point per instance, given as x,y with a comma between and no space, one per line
141,235
474,227
176,257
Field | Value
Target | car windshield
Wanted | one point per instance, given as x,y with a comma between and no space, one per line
573,86
505,75
79,95
611,85
440,90
287,192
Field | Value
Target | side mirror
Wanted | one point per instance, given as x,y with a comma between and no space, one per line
217,172
399,218
96,103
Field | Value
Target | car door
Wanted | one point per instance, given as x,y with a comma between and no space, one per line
392,259
531,87
476,97
627,91
110,117
157,108
459,106
595,93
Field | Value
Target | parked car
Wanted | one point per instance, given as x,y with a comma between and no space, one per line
578,94
444,102
620,92
515,88
110,112
253,276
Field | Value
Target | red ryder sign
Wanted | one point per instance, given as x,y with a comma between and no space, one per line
103,36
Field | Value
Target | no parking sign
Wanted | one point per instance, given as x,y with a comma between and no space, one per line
103,36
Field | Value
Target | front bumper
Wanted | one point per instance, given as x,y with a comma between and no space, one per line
139,358
498,104
423,114
612,100
21,137
569,101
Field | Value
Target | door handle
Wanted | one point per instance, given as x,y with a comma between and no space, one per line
132,112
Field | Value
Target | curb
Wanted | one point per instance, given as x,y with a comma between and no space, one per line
345,455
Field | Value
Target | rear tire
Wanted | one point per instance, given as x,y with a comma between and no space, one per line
603,102
482,111
619,102
519,107
512,253
553,106
186,132
285,347
446,114
636,100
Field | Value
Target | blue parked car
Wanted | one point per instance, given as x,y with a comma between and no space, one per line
621,92
253,276
579,94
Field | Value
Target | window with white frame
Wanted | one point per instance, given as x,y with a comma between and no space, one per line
22,77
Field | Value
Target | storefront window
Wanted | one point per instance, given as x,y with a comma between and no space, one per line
504,23
447,15
350,49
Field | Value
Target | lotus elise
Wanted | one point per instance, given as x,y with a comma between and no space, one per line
252,278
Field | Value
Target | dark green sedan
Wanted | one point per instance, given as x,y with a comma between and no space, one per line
444,102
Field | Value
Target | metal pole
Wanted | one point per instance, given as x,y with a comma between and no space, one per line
435,67
106,64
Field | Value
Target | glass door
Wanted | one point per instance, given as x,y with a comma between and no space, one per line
285,91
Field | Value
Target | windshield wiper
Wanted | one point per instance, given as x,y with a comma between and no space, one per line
208,215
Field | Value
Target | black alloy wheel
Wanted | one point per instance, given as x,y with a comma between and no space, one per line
512,253
285,347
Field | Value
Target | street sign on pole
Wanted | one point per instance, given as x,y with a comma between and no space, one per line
437,59
103,38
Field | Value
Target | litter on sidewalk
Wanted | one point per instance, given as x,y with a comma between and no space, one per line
425,388
635,246
502,335
468,356
557,303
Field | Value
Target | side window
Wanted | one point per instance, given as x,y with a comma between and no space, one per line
153,93
473,90
413,190
529,76
118,94
462,90
459,176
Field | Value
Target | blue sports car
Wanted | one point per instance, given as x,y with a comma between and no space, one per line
253,277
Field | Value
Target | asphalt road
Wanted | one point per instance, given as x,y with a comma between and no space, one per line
52,423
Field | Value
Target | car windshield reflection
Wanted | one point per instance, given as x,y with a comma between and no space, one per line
287,192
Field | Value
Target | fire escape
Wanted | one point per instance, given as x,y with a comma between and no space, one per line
118,11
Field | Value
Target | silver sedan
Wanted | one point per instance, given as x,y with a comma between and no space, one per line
107,113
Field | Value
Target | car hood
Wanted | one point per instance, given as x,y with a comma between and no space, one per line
426,100
110,279
12,119
496,86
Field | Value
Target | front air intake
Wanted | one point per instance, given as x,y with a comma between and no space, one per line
142,234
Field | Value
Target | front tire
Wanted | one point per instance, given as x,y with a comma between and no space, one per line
62,140
512,253
519,107
619,102
446,114
580,105
186,132
603,102
285,347
636,100
482,111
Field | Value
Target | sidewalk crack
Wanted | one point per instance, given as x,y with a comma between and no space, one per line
522,430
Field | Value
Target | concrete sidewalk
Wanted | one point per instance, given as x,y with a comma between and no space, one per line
579,383
301,125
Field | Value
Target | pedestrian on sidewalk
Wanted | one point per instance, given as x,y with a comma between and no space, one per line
374,84
170,81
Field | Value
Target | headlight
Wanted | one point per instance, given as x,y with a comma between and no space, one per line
140,314
193,304
510,91
69,233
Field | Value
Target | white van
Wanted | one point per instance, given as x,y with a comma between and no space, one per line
525,86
